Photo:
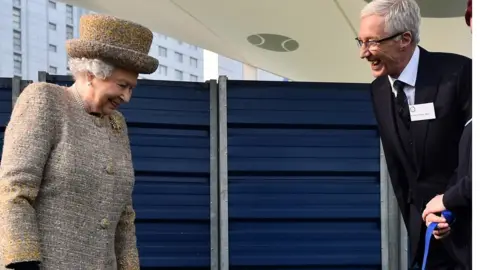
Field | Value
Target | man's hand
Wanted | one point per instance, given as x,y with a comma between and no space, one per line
434,206
443,229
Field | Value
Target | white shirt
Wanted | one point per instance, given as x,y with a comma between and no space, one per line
409,77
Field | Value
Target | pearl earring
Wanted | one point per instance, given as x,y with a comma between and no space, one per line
89,84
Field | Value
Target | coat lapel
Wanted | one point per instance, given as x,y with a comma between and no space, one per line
426,88
384,92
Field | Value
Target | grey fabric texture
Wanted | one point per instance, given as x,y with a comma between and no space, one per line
66,182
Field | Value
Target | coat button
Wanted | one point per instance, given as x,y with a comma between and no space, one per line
98,121
109,168
104,223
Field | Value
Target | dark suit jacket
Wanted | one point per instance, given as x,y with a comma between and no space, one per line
444,79
459,194
458,199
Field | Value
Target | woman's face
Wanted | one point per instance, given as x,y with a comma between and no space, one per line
107,95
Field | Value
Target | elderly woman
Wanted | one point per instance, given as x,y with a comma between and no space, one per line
66,176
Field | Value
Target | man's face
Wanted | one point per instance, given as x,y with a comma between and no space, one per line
382,50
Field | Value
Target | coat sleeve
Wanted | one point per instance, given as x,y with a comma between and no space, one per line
29,137
400,188
126,241
125,235
459,191
464,91
459,194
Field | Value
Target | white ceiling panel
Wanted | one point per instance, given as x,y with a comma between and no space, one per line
324,30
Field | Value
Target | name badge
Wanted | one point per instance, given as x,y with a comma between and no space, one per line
419,112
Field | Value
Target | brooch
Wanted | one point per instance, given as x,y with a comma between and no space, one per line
116,122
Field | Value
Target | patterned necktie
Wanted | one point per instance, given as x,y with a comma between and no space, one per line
402,102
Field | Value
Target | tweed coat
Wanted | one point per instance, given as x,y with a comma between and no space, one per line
66,181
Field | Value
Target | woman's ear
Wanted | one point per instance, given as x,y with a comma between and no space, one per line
90,78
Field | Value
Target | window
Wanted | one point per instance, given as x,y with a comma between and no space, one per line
52,5
17,40
162,51
193,62
193,47
52,48
52,70
17,18
162,70
69,33
17,3
178,75
179,57
52,26
17,64
193,78
69,10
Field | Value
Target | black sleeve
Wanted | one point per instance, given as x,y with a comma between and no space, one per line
464,91
453,179
460,194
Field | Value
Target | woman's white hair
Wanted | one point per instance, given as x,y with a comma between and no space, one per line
80,66
400,16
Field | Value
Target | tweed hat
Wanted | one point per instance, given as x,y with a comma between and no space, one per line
118,42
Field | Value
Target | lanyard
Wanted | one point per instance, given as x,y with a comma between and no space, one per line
428,235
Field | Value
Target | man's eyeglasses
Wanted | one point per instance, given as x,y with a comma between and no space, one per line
371,42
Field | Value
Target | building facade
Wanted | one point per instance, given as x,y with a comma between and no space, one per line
34,32
33,35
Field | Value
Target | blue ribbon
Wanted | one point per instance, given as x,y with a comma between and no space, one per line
449,217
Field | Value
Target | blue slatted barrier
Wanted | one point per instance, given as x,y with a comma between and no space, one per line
169,135
5,107
304,190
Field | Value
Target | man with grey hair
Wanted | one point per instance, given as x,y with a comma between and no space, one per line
422,101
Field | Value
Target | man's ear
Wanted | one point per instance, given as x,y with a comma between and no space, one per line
407,39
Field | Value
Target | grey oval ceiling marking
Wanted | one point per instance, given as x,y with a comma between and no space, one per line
256,40
440,8
273,42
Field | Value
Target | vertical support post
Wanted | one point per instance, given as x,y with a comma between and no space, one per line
223,172
42,76
24,84
385,232
390,220
16,89
214,191
404,244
